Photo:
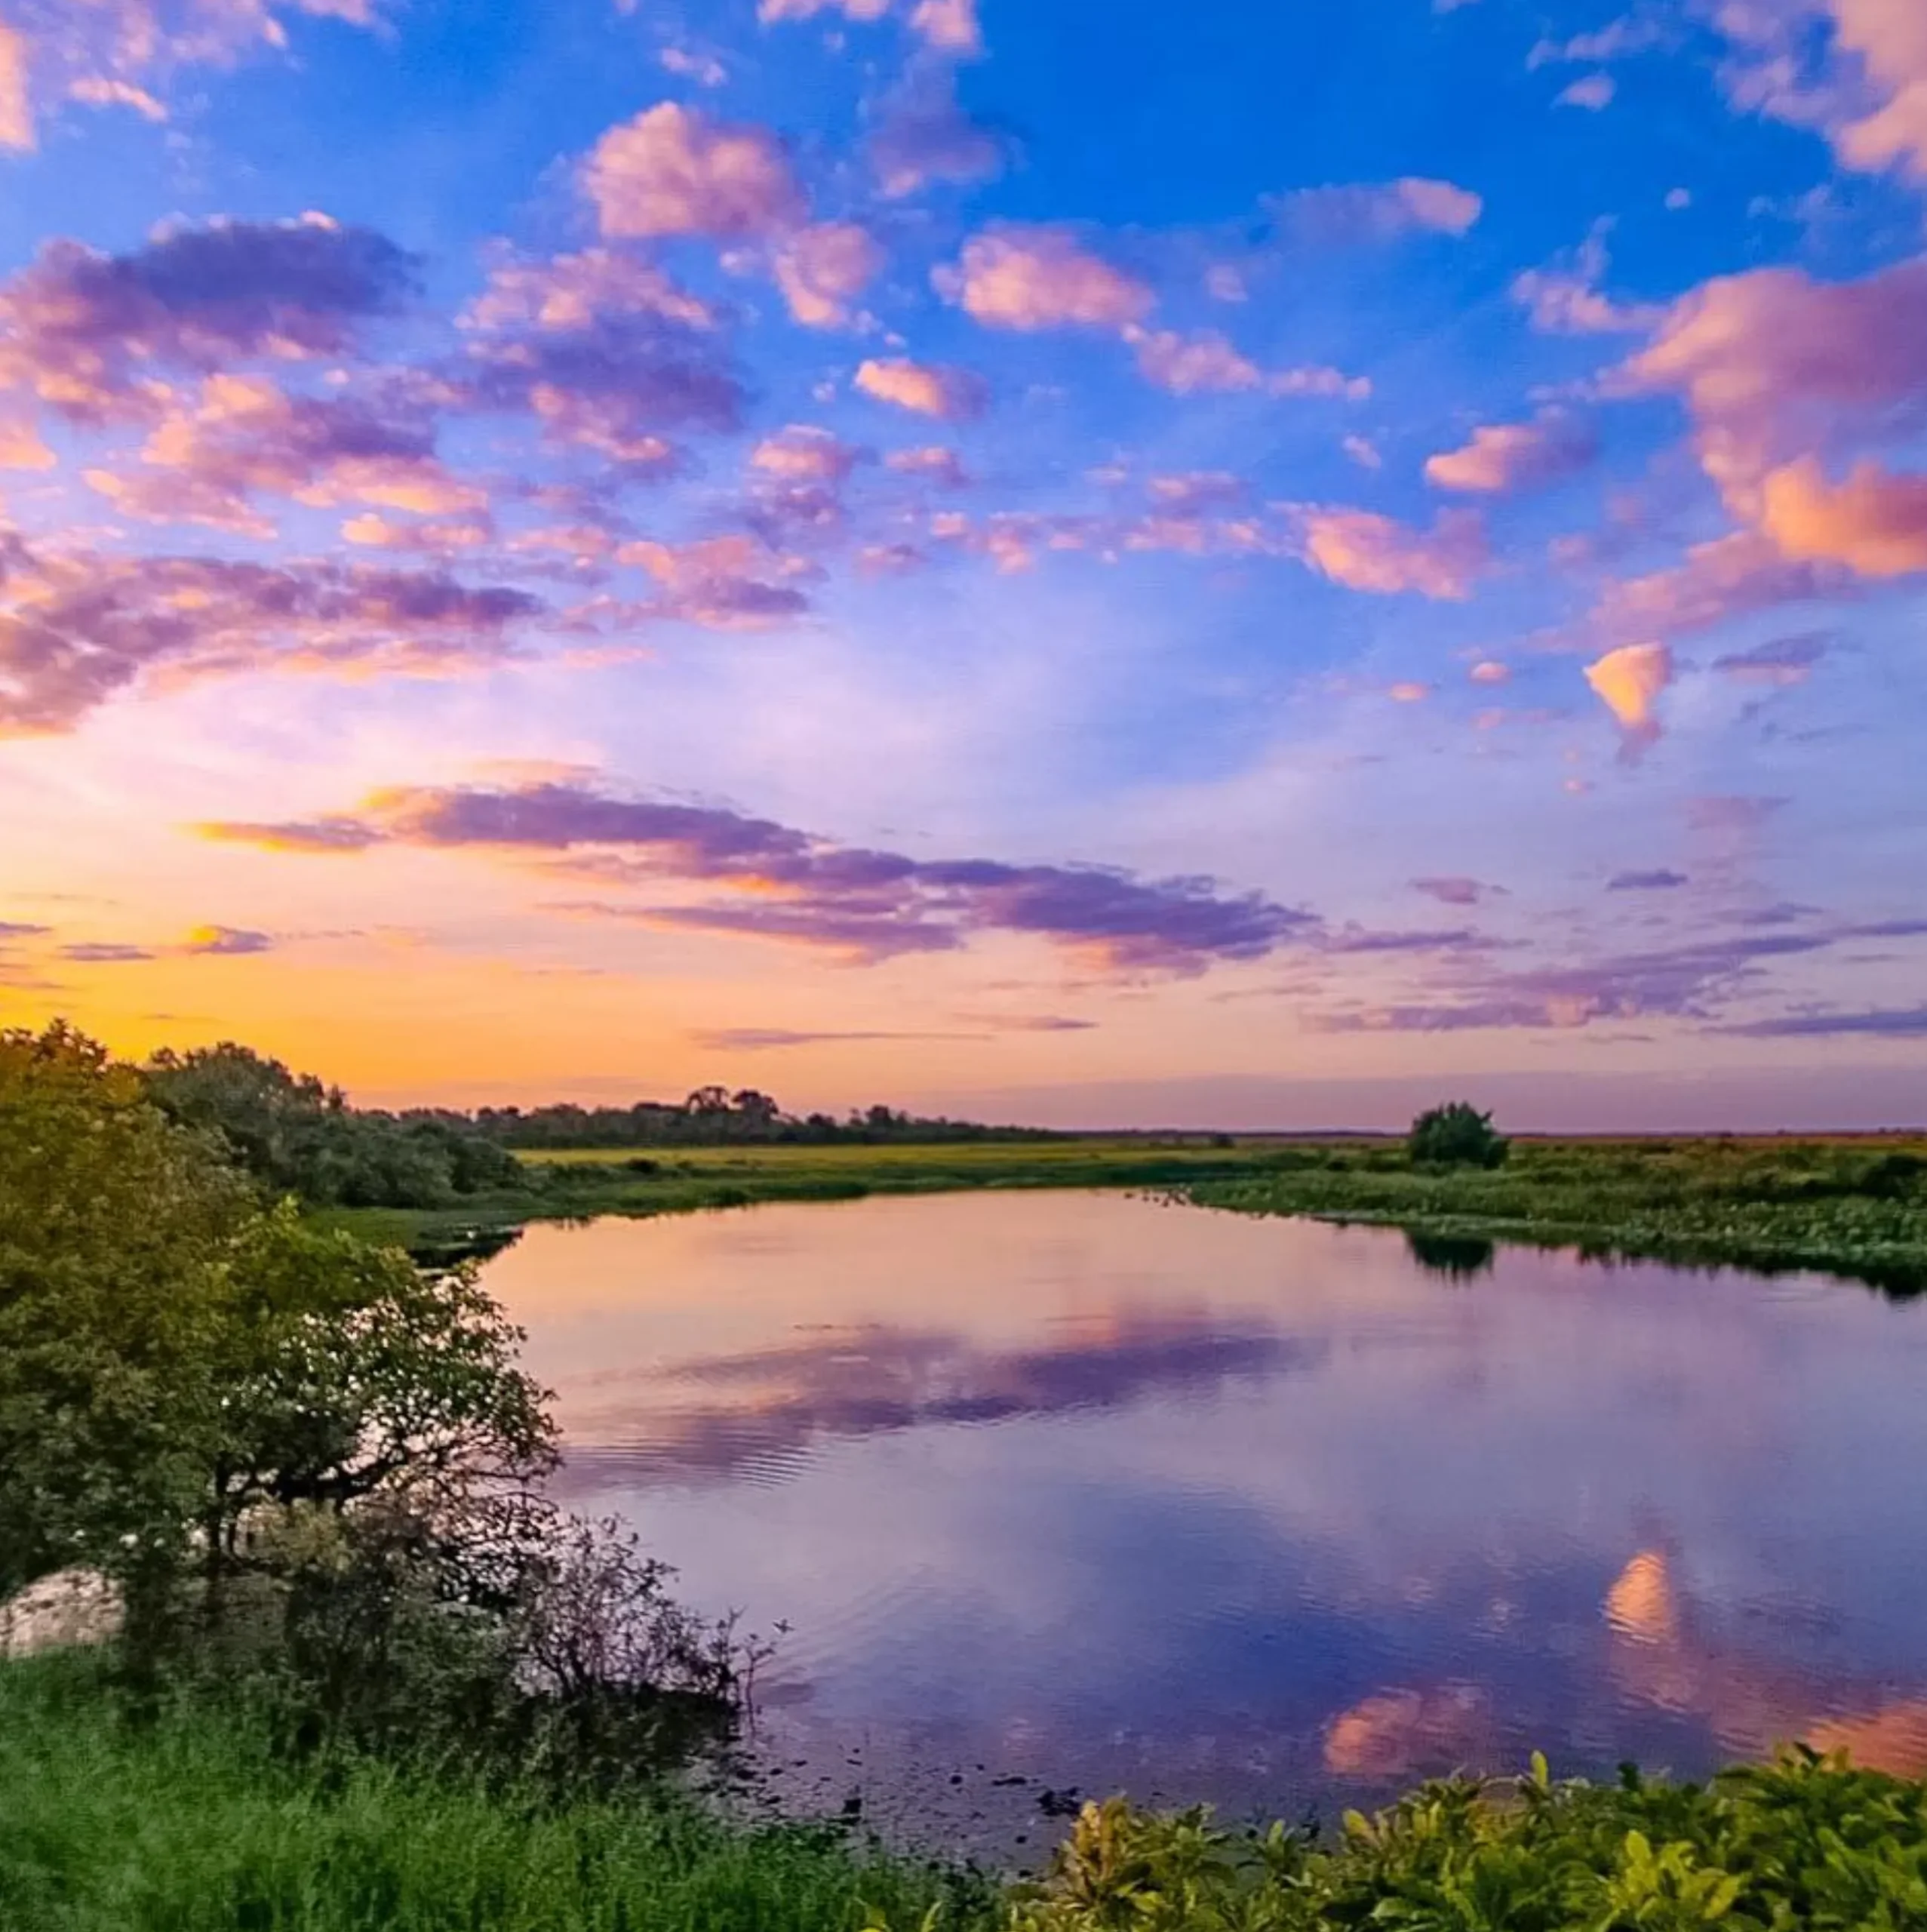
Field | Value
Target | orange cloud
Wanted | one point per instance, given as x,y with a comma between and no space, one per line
1875,523
1365,551
823,269
1628,682
1502,458
21,446
1396,1733
672,170
1036,277
941,465
925,388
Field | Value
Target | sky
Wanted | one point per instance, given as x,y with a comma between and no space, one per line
1259,565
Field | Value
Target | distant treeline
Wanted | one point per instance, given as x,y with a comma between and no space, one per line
710,1117
298,1135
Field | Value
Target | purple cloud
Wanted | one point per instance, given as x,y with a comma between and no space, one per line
1902,1023
870,904
1457,890
77,625
1660,880
75,326
226,942
103,953
772,1039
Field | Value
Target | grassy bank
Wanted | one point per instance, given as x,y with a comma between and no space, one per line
580,1184
192,1823
1853,1206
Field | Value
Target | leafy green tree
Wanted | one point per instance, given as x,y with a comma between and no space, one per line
1456,1135
117,1228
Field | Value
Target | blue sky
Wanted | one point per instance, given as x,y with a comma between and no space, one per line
1056,554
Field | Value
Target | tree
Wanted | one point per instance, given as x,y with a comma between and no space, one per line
116,1230
1456,1135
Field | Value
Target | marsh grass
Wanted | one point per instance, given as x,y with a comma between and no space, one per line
191,1823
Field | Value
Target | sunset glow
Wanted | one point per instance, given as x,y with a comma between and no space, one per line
1048,561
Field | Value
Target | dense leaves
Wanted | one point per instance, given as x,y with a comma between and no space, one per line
308,1466
1456,1135
1797,1845
297,1137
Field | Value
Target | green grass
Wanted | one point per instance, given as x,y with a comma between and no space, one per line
640,1182
1843,1205
1839,1205
193,1825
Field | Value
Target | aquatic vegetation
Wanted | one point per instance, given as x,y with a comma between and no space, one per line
1838,1206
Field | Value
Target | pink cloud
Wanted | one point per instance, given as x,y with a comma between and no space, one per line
1730,576
1016,277
1567,299
1864,84
1593,92
1205,363
947,27
245,436
563,293
952,394
803,452
1504,458
940,465
673,171
1875,523
95,91
1379,210
1365,551
1456,890
1771,364
735,582
16,128
822,270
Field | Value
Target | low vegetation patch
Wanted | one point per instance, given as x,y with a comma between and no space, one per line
1856,1207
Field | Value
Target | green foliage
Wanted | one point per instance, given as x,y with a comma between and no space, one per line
198,1822
1796,1845
297,1137
1456,1135
1771,1204
310,1468
116,1231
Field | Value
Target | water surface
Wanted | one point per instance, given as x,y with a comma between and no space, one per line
1078,1491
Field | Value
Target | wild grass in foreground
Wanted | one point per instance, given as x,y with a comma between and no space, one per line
191,1823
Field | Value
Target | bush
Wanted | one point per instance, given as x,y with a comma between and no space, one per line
1800,1843
1456,1136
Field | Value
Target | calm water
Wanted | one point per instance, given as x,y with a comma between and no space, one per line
1078,1491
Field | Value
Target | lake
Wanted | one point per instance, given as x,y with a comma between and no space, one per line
1077,1492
